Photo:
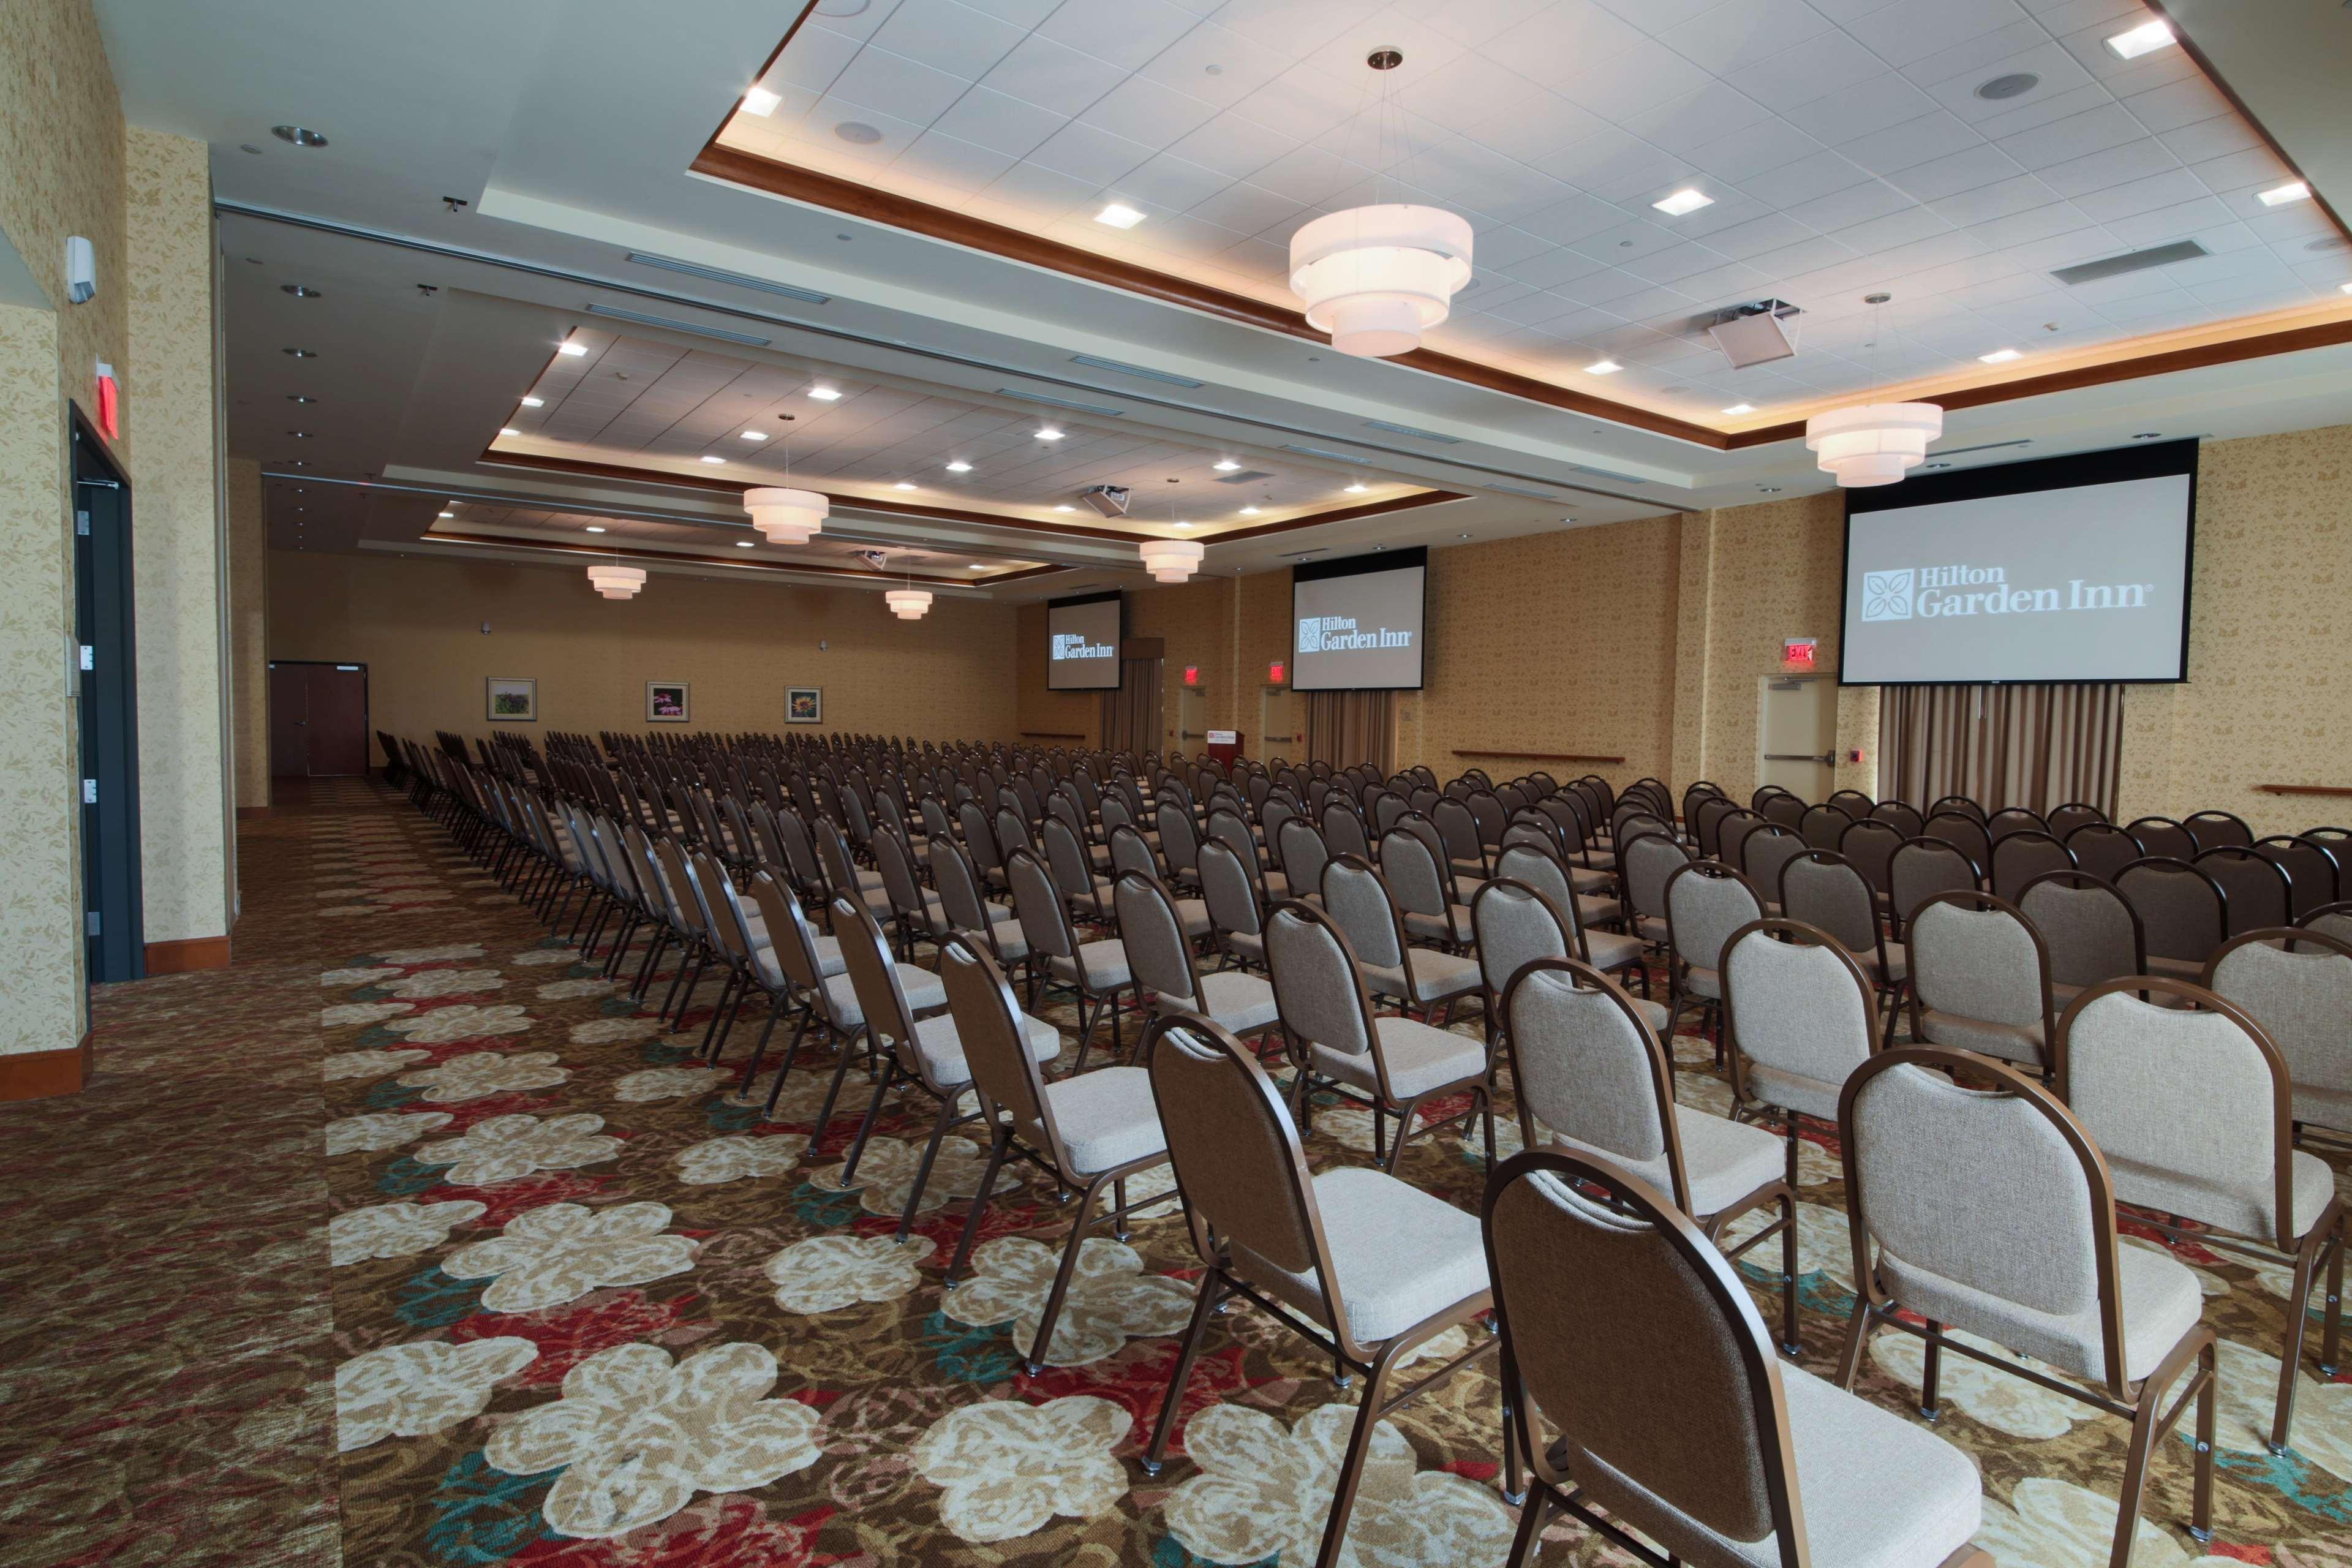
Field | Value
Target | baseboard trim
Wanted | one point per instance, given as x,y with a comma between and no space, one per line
41,1075
187,953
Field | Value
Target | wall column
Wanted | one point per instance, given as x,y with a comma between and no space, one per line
1693,644
248,601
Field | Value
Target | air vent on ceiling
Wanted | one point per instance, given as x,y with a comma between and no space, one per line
720,274
675,325
2332,242
1611,474
1321,452
1059,401
1524,490
1409,430
1096,362
1988,447
1246,476
1302,554
2130,261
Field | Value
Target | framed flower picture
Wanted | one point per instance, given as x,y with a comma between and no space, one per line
804,704
667,702
511,699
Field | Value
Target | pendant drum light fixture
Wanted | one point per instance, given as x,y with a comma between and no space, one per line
784,515
1172,559
1377,277
1873,443
907,603
614,581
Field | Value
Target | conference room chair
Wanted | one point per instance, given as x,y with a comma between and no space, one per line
1070,859
979,832
1277,810
2103,849
817,972
1764,854
2011,819
738,935
2130,1068
1964,831
1644,862
1063,807
1618,954
1301,851
1429,979
1464,847
2184,914
1634,818
1423,892
1389,1064
1012,830
1095,972
1732,831
1706,901
2217,829
1967,805
1800,1016
916,913
2020,856
1706,817
2297,985
1180,841
1988,1214
2256,887
925,1053
1085,1134
964,898
1869,846
1344,830
1720,1455
1781,807
1854,803
1921,868
1822,826
1236,914
2090,931
844,878
1365,1267
1130,852
2330,920
2312,874
1981,979
696,950
1386,808
2162,838
1231,829
1819,888
1901,815
1591,1075
2063,819
1160,956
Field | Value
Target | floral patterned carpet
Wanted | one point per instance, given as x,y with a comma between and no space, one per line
409,1240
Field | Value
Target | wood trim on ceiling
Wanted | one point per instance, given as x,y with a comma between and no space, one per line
734,562
584,468
894,211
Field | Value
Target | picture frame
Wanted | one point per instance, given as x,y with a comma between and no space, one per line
804,704
668,702
510,698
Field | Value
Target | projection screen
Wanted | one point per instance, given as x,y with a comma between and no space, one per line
2060,569
1358,622
1082,648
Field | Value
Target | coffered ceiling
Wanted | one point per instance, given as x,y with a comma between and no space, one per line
1954,154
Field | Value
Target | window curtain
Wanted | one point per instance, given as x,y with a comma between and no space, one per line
1130,714
2035,746
1344,728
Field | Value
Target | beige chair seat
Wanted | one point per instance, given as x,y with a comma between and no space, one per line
923,989
1794,1091
1612,949
1852,1456
1476,870
2178,968
1105,1118
1703,983
2323,1106
1436,976
1239,1002
1419,1060
2177,1193
1594,911
1104,963
1193,914
2009,1042
1010,940
1896,970
1277,885
1398,1255
2159,1298
1248,945
1452,926
941,1048
1589,879
1723,1160
1651,929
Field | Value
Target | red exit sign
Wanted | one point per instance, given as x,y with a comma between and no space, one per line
1276,671
1799,653
1191,675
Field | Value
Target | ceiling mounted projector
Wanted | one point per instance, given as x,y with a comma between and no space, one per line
1753,333
1109,500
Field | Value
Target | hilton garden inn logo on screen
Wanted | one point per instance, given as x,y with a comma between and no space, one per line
1930,591
1338,633
1074,645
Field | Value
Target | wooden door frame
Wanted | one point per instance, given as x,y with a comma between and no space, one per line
367,712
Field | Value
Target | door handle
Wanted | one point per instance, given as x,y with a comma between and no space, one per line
1827,759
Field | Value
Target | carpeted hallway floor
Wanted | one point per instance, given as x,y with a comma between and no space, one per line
408,1241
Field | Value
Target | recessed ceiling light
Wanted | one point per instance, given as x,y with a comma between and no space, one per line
903,485
755,435
300,398
712,458
1603,367
1356,489
1249,511
2000,356
534,403
1049,434
959,467
2140,40
1224,465
300,135
745,544
508,430
759,100
300,354
453,514
595,528
976,566
2344,288
1685,200
823,393
1183,525
569,347
300,435
299,290
1741,408
2279,196
1120,215
1461,536
1065,508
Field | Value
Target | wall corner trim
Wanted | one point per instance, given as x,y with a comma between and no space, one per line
187,953
42,1075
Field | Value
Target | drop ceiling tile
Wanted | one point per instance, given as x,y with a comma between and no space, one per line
1302,103
1571,33
1754,150
2059,72
1909,30
1045,192
946,35
2138,311
1127,34
1925,140
1290,28
1215,63
2064,16
2033,225
1813,70
2167,188
2063,249
1979,58
899,86
2162,226
816,57
2107,170
1725,36
952,162
1626,241
2209,139
1084,152
2188,101
1040,71
1555,269
1622,87
1976,168
2019,193
1146,112
1872,104
1857,204
1248,208
2043,108
1168,184
2077,136
1708,113
2248,170
896,135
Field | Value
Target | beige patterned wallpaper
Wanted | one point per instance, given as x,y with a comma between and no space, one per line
416,624
248,589
178,558
1046,718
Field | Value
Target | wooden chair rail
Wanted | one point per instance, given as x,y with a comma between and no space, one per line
1537,756
2305,789
1048,735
